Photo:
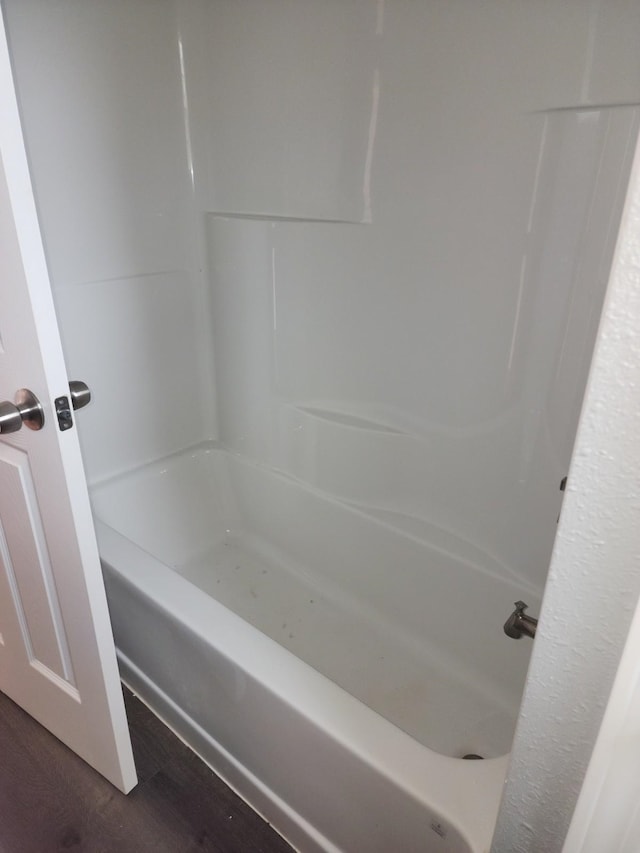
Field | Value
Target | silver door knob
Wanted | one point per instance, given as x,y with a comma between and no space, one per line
26,410
79,393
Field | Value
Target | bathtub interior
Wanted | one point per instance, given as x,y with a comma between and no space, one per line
333,272
327,581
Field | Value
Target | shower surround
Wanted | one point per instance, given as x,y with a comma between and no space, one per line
350,259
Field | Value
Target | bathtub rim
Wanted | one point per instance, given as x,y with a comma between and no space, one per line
465,794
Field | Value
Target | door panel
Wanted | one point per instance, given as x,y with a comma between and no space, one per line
31,591
57,658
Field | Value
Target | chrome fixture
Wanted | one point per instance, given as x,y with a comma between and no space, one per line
26,410
519,623
79,393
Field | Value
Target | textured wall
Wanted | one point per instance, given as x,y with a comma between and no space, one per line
594,579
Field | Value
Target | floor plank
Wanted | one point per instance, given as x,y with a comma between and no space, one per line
52,801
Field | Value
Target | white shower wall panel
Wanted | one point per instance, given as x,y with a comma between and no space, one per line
319,110
425,359
282,100
342,363
106,143
101,94
132,340
406,364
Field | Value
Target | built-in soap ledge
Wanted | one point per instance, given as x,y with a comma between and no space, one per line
343,453
347,419
271,217
360,459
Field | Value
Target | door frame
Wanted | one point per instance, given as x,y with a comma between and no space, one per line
607,816
587,621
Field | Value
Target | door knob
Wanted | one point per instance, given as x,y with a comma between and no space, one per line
26,410
79,393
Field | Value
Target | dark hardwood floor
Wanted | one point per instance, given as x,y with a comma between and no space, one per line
50,800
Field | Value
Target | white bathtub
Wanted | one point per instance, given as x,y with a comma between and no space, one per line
338,706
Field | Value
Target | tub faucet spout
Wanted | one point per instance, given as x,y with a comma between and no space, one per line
519,623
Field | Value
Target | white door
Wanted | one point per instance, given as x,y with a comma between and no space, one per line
57,658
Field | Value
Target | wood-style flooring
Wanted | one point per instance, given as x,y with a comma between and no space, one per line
50,800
